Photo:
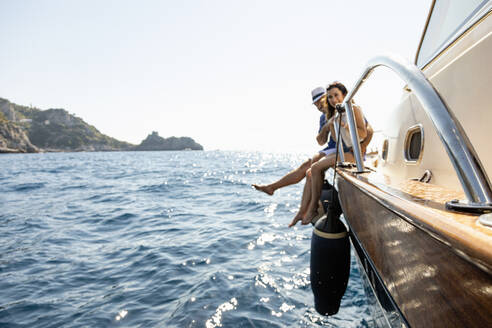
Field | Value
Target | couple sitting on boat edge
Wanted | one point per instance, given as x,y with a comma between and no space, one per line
314,168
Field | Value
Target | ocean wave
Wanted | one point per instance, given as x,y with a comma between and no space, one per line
26,187
175,239
156,188
74,187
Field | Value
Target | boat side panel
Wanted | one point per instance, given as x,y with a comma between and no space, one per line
384,311
430,284
462,76
464,84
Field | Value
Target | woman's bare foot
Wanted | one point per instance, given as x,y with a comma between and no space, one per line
298,217
310,215
267,189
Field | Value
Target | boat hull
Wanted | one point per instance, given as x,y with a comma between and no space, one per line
427,283
384,312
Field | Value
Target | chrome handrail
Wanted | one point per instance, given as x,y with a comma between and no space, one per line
463,156
341,155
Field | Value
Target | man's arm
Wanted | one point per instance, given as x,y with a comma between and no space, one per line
322,136
331,127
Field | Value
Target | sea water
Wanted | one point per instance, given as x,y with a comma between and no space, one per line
157,239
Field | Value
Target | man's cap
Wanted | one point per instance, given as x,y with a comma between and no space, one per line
318,93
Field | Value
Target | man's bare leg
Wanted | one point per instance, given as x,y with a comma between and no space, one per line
293,177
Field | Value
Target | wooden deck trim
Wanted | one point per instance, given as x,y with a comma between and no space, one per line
460,231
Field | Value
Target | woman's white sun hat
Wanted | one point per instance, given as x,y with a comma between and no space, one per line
318,93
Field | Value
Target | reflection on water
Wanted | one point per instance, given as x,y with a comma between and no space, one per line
215,321
148,239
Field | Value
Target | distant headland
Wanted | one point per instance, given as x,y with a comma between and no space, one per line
30,130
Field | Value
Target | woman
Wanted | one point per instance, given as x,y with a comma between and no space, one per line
296,175
315,174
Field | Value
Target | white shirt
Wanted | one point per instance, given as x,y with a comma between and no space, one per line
347,140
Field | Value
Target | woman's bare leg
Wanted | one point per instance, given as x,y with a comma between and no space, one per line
317,175
306,197
293,177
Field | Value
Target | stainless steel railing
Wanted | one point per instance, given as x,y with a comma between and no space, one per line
341,156
471,174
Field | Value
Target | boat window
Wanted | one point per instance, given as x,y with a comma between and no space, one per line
414,144
384,153
448,16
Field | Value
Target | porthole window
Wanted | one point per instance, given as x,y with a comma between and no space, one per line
414,144
384,152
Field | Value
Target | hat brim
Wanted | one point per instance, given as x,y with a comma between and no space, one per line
318,98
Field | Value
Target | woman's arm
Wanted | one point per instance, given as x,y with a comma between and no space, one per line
360,123
367,139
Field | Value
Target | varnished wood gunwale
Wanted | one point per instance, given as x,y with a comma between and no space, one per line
433,284
459,230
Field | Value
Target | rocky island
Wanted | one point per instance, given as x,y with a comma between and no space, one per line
28,130
156,142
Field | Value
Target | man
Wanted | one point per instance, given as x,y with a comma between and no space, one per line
319,100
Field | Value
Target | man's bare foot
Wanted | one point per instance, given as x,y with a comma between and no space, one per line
267,189
310,215
298,217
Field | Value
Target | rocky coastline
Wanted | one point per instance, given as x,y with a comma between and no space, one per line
31,130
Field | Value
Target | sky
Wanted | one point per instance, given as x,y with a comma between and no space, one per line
233,75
